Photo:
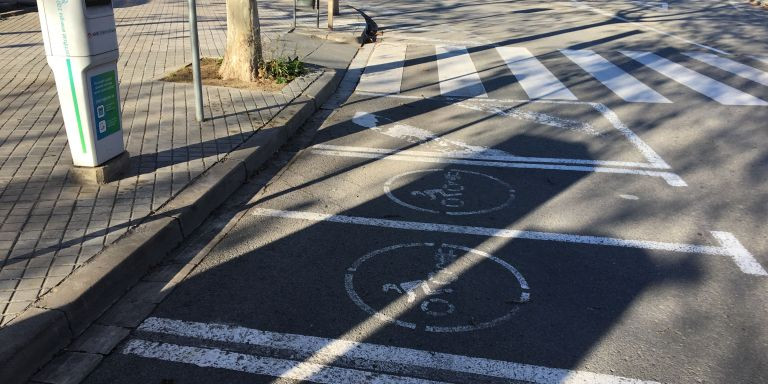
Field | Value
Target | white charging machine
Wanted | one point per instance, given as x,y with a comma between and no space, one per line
81,47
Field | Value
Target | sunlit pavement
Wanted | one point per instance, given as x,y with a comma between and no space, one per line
540,194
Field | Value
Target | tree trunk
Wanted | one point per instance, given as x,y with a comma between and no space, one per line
241,61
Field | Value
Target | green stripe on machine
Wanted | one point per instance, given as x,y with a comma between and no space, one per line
77,108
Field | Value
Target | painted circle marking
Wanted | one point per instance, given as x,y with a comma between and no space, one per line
436,287
449,191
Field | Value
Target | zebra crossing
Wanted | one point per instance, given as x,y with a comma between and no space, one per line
460,75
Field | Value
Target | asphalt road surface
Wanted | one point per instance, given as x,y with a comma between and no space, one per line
517,191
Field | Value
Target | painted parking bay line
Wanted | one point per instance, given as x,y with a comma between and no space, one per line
671,178
364,355
705,85
269,366
494,105
729,246
484,156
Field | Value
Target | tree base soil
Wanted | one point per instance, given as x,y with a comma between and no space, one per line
209,72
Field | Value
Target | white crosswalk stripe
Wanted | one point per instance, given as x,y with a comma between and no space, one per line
731,66
458,75
384,71
613,77
705,85
537,81
457,72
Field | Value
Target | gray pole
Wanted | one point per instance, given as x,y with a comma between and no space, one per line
294,13
317,9
196,61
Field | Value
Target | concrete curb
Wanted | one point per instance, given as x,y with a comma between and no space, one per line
57,318
337,36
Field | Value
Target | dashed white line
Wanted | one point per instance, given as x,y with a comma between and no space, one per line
730,246
364,355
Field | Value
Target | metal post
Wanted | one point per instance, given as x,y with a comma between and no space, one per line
330,13
317,11
295,5
196,61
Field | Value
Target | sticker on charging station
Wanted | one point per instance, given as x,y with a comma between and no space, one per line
105,105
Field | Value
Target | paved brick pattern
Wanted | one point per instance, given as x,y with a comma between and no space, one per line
49,225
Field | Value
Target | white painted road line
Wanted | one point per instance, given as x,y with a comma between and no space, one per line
743,259
611,116
490,100
731,66
671,178
729,245
217,358
537,81
661,5
536,117
363,354
457,73
483,156
633,138
707,86
581,5
384,71
414,135
616,79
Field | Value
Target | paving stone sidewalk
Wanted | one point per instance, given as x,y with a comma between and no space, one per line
50,225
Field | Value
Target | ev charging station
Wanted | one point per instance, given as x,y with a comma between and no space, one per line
81,48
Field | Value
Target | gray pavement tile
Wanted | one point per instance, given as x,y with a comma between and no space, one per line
40,261
14,262
25,296
15,218
30,235
36,226
33,283
7,236
8,285
35,272
52,281
16,307
60,260
11,274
